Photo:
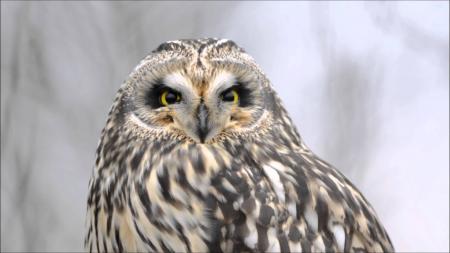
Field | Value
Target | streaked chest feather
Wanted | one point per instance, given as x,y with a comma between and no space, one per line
197,197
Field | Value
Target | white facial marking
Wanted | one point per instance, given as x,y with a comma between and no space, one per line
135,119
222,81
177,81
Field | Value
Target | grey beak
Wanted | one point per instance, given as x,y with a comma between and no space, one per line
202,117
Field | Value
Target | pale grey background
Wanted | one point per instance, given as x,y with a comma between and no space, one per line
367,84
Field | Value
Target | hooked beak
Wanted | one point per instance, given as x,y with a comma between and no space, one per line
202,119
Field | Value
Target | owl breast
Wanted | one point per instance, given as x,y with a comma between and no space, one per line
200,198
229,197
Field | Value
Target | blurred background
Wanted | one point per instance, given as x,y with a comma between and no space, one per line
367,84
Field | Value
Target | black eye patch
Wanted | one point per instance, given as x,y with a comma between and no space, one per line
245,95
153,97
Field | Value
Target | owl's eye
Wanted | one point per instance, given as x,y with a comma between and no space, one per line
230,95
168,97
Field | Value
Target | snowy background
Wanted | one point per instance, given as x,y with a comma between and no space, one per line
367,84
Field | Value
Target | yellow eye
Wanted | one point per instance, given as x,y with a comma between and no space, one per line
231,96
169,97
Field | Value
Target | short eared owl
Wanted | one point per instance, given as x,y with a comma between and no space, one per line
198,154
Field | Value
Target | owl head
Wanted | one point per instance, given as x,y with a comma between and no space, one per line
199,91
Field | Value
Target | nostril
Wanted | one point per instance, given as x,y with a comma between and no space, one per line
169,118
232,118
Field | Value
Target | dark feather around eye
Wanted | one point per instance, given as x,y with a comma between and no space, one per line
245,95
153,95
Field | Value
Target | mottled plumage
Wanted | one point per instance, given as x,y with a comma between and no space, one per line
198,154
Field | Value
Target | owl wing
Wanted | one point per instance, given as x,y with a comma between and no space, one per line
293,203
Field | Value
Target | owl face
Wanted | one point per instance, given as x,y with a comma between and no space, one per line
197,92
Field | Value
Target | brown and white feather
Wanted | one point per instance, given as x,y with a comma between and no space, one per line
252,185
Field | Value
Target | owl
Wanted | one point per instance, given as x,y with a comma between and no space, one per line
199,155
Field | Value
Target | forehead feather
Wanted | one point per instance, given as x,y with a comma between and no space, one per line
204,61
